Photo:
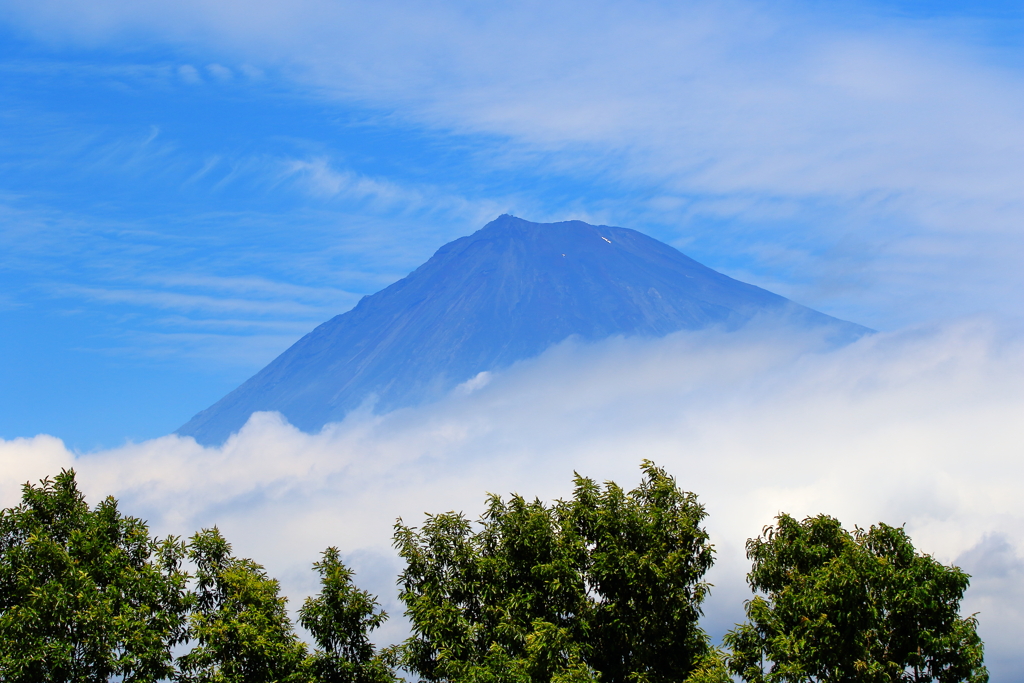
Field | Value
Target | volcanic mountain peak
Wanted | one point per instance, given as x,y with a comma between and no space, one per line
505,293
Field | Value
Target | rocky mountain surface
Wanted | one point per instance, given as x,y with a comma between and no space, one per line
505,293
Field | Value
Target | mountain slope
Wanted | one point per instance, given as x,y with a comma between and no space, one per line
482,302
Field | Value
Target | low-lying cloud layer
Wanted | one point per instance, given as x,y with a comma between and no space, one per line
921,427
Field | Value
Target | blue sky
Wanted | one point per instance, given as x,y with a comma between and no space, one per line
187,188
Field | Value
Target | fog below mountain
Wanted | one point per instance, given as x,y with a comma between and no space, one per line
919,427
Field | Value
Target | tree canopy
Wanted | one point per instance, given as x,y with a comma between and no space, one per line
239,622
340,619
86,595
607,584
863,606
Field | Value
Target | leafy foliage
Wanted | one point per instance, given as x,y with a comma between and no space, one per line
861,606
495,605
340,620
240,623
647,555
606,585
85,595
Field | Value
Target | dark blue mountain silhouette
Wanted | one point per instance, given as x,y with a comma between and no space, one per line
482,302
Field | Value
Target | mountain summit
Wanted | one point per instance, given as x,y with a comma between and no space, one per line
505,293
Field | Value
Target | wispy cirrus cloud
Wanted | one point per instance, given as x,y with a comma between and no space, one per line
322,178
867,141
132,270
248,284
243,345
202,303
790,102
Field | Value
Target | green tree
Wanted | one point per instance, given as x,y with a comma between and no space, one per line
606,585
340,619
495,604
863,606
239,623
85,595
646,557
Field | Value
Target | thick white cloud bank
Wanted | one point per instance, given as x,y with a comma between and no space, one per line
922,427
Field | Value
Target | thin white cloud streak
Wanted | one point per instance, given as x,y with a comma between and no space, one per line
919,428
232,345
255,286
319,177
195,302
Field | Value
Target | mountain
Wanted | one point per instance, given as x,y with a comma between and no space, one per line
505,293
